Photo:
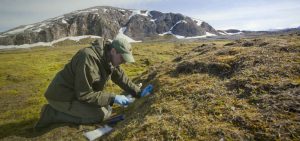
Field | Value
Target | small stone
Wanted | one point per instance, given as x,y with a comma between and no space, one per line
233,108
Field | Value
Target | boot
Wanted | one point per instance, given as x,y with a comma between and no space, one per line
45,117
49,116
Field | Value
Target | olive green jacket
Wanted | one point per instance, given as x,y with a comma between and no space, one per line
86,75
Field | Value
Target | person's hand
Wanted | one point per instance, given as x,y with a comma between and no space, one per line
146,91
121,100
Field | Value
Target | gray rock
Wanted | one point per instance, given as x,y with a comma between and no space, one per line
139,27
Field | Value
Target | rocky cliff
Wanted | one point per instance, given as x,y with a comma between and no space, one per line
107,22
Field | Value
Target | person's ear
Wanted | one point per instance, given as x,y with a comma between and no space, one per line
113,51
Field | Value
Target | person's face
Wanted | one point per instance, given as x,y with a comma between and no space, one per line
116,58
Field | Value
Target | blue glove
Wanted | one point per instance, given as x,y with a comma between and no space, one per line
147,90
121,100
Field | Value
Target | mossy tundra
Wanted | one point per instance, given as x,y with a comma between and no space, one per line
245,89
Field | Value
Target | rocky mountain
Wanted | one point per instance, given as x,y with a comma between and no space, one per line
107,22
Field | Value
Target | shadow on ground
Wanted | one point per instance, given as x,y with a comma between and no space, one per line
25,129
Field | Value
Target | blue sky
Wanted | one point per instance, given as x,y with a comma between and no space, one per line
221,14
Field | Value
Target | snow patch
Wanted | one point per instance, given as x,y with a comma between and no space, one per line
181,21
104,10
170,31
140,12
207,34
153,20
234,33
122,30
76,38
37,30
226,33
86,11
198,22
18,30
222,33
166,33
145,13
64,21
122,35
210,34
55,18
42,25
36,27
149,14
39,27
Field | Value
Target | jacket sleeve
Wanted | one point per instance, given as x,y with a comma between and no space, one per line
121,79
85,75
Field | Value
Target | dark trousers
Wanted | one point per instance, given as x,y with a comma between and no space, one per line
85,113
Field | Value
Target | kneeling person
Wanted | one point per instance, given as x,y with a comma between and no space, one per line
76,93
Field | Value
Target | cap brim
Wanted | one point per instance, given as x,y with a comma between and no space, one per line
128,57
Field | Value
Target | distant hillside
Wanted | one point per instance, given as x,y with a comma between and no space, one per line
107,22
258,33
